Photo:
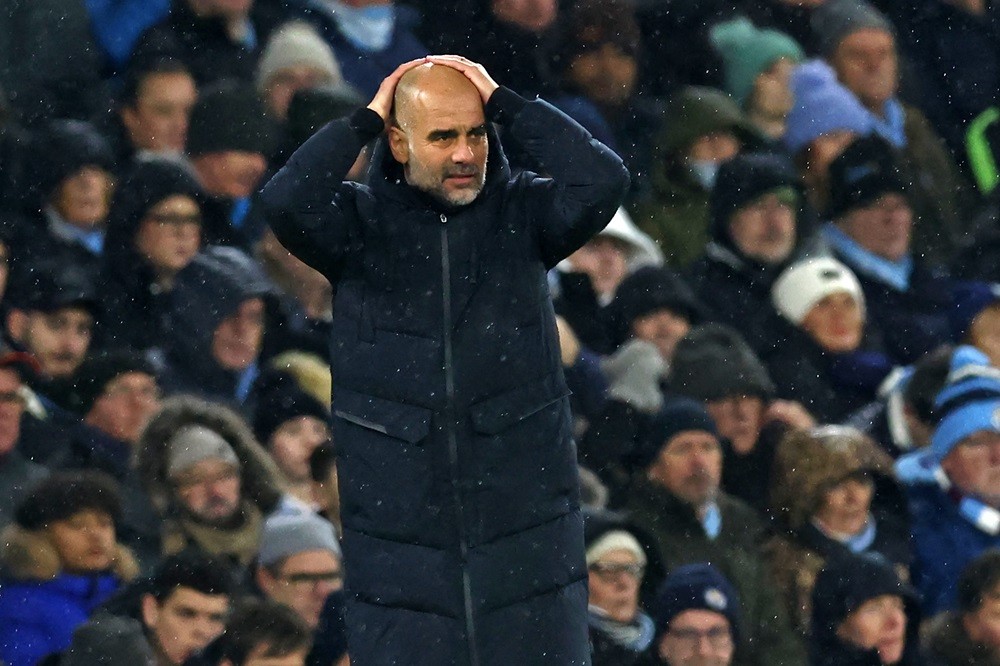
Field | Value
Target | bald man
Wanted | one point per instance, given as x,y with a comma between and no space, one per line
462,536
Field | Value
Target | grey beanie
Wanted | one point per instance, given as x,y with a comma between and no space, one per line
288,534
297,43
109,640
834,20
713,362
193,443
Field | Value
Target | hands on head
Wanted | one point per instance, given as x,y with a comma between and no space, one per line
476,73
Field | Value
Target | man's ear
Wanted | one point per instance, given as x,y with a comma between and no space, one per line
399,144
265,581
17,324
150,610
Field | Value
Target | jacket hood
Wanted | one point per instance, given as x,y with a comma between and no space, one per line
260,476
31,555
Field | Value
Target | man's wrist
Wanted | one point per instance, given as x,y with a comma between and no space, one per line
367,123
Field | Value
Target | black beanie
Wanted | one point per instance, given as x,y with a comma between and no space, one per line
280,399
96,372
62,149
648,289
713,362
229,117
676,416
744,179
65,494
866,170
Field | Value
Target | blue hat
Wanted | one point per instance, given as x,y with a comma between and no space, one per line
677,416
822,106
968,403
968,300
696,587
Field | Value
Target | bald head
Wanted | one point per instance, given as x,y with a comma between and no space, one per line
427,86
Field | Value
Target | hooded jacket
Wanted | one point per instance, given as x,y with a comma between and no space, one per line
947,644
463,539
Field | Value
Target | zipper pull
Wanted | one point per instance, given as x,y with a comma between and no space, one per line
444,218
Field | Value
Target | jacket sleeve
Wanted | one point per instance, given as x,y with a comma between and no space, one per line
307,203
586,181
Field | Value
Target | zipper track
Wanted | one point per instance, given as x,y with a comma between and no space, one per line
449,381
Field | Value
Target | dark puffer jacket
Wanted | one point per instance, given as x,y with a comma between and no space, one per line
463,539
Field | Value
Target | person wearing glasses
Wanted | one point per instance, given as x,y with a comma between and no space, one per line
697,618
299,564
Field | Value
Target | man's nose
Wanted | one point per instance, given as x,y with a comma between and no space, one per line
463,151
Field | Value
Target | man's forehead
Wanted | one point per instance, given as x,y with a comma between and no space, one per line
437,92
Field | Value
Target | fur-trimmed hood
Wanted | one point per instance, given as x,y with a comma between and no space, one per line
31,555
261,482
946,642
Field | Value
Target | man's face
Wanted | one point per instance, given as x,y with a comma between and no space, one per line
866,63
772,91
846,506
835,323
210,490
58,339
697,638
237,339
83,198
125,406
764,229
230,173
613,581
983,624
883,227
664,328
605,261
974,466
689,465
605,73
85,541
185,622
984,333
159,119
294,441
285,82
442,143
739,419
303,582
11,409
879,623
169,234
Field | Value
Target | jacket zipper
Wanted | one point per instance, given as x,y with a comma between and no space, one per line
449,383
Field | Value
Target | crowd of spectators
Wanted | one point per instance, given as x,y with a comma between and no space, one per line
783,348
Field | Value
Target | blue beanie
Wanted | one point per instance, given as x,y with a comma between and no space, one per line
822,106
696,587
747,51
968,300
968,403
677,415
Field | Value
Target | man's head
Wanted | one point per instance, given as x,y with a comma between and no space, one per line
823,298
53,317
156,105
656,305
117,393
299,563
296,58
600,51
684,453
860,44
263,633
237,339
290,423
697,617
756,64
615,565
979,600
975,317
186,606
15,367
205,473
439,134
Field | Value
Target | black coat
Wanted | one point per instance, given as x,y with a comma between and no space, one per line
463,539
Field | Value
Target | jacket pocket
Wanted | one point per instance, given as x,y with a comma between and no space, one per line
409,423
494,415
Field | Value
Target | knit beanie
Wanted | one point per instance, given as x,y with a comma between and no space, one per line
747,51
280,399
229,117
289,534
615,540
696,587
96,372
968,403
861,174
296,44
804,284
744,179
63,494
677,416
968,300
109,640
62,149
822,106
652,288
193,443
713,362
834,20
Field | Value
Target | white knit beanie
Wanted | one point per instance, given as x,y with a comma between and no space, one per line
293,44
804,284
615,540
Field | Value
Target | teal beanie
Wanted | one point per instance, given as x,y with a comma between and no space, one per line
746,51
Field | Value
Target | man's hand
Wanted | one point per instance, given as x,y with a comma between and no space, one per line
475,72
791,413
382,102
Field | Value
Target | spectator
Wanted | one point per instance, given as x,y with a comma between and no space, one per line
757,69
107,640
696,603
299,564
706,128
17,473
676,498
326,485
60,561
827,356
833,494
259,633
952,485
860,44
968,635
863,613
871,231
975,318
210,481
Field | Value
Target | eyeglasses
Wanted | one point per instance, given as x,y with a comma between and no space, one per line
185,484
611,570
306,579
718,637
174,218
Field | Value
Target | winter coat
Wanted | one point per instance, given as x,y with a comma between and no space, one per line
947,644
17,476
40,605
768,639
451,410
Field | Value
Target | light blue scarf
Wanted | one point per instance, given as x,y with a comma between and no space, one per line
896,274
